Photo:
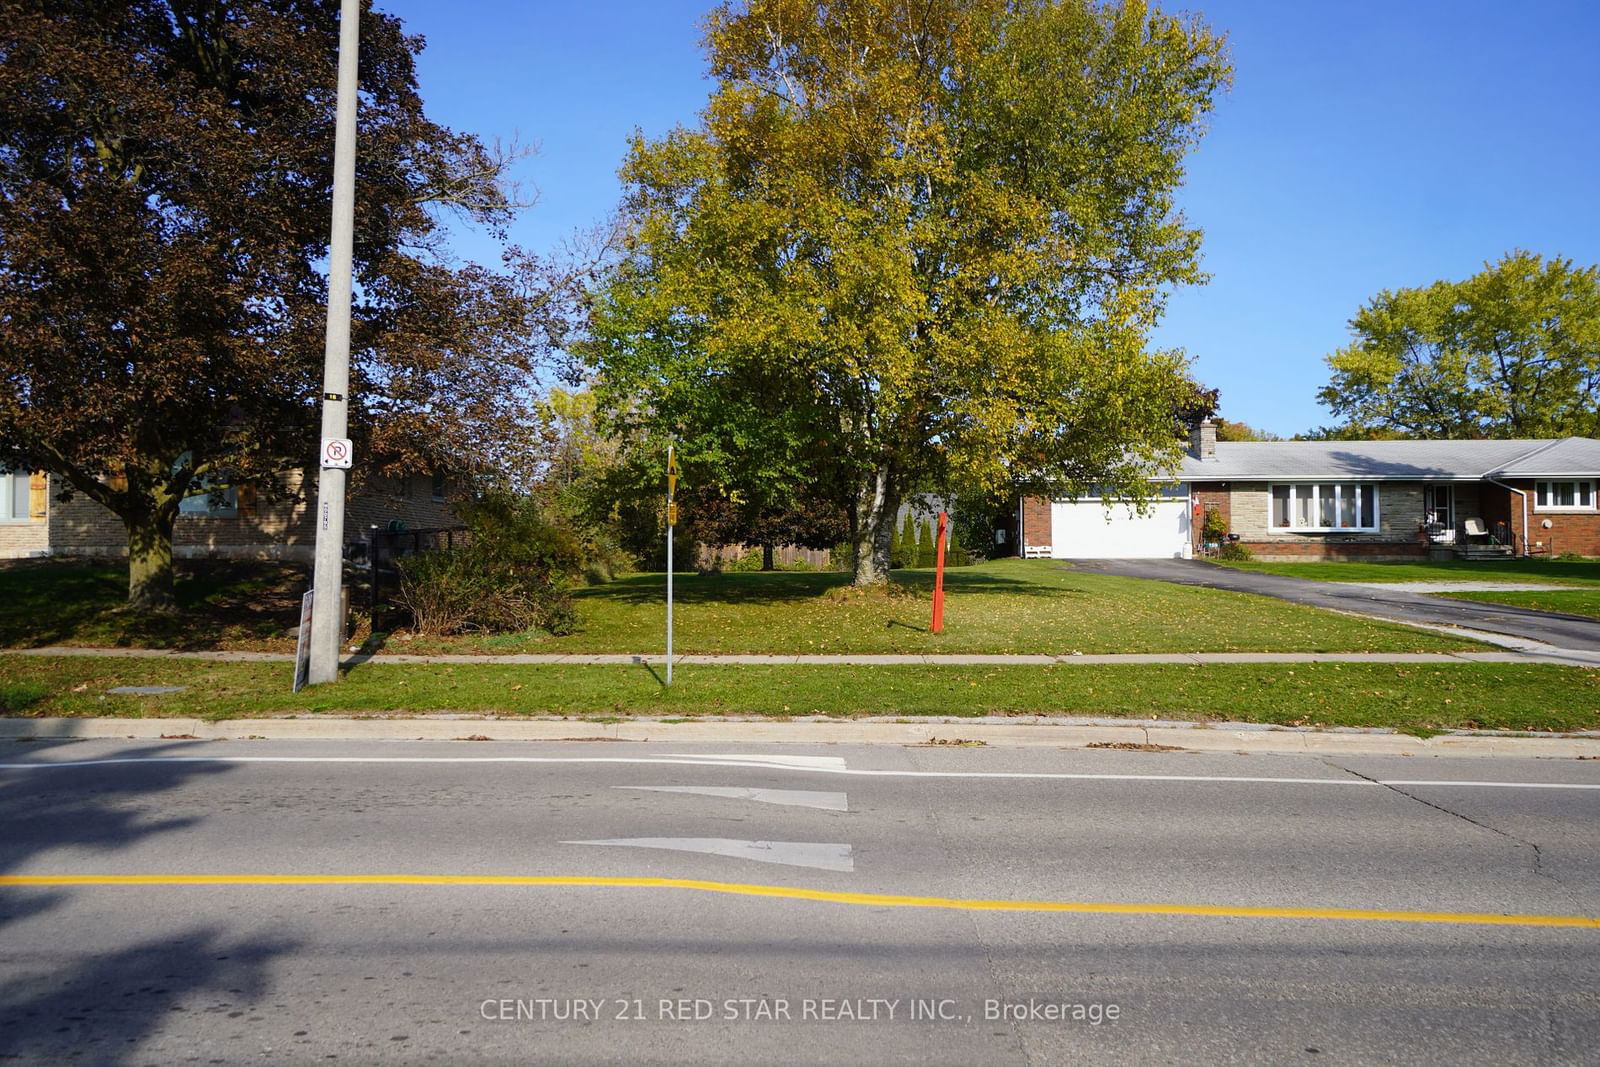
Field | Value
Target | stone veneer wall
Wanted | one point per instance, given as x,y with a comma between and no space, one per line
1397,537
1399,516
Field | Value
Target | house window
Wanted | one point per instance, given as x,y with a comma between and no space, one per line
438,487
14,495
219,505
1324,506
1564,496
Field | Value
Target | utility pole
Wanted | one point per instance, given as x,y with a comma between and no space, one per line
327,620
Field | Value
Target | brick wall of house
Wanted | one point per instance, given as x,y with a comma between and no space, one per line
1568,531
1036,524
1208,495
1285,551
270,525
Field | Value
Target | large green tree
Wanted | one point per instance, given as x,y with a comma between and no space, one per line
1513,351
925,239
165,177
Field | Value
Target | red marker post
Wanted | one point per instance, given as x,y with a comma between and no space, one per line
938,576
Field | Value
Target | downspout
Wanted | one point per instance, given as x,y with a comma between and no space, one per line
1524,495
1022,531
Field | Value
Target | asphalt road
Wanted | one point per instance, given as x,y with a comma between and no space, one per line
1563,631
813,964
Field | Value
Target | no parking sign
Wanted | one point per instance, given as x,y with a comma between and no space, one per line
337,452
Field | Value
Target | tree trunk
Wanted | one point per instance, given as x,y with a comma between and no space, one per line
877,506
766,557
150,583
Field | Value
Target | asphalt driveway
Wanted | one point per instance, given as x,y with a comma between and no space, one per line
1563,631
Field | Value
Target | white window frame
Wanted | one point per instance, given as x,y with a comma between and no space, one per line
8,481
1374,523
1545,488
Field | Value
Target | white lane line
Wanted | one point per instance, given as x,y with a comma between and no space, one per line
849,771
767,757
796,798
816,854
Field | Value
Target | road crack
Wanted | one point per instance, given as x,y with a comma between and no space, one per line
1539,868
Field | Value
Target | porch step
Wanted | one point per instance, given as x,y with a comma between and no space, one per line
1484,552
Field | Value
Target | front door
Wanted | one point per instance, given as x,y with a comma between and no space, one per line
1438,505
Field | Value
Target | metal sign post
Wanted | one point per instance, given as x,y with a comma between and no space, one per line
302,647
672,520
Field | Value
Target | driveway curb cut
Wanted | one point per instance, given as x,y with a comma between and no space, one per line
1198,738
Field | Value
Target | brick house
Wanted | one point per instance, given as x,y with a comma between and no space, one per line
242,524
1289,500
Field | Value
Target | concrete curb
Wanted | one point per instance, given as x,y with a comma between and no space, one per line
1198,737
1522,653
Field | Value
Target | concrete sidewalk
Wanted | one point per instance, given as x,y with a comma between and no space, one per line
1523,652
1001,731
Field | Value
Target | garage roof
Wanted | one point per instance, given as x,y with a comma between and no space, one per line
1395,460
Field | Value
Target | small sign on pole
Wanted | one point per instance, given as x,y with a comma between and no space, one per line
938,574
302,646
337,452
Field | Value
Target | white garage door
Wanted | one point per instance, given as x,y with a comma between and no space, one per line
1085,529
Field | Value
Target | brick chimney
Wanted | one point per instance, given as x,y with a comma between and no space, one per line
1203,439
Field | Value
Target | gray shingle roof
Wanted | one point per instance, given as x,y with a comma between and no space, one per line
1443,460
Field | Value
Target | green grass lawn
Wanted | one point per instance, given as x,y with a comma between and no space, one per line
221,605
1584,602
1401,696
1553,572
1006,606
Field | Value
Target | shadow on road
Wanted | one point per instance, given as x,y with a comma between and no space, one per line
70,991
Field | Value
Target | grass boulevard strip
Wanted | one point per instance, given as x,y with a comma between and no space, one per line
875,900
1411,697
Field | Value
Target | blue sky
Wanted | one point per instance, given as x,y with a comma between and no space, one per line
1365,145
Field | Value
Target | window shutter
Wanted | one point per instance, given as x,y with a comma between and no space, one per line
39,496
247,500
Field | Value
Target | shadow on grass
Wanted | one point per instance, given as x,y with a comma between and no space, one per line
100,989
765,588
56,602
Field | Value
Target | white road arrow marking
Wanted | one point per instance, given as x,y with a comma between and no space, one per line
823,857
815,762
796,798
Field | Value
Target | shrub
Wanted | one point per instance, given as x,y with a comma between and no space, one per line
1233,550
1214,527
927,545
514,574
903,548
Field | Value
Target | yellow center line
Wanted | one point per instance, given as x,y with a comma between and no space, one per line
873,900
